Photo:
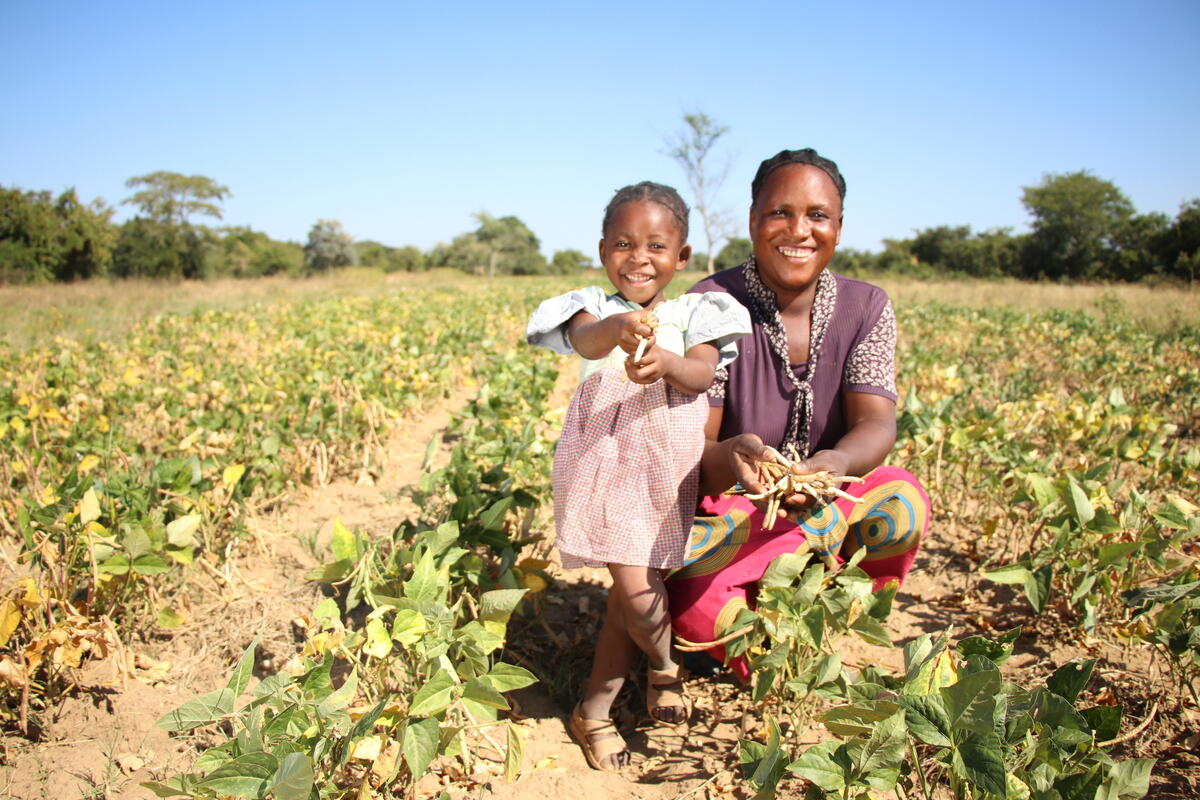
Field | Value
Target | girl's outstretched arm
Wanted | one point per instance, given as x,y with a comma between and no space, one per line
691,373
594,338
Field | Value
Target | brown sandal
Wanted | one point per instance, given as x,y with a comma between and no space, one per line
660,694
600,740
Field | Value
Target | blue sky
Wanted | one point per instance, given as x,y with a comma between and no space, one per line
403,119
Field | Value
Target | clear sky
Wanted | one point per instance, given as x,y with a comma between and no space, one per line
402,119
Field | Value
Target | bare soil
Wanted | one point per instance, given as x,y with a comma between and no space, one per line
101,742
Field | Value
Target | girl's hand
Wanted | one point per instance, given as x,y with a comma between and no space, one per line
631,330
654,365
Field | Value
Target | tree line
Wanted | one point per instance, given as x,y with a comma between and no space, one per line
1083,229
46,238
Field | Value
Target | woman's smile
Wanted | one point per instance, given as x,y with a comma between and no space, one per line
795,226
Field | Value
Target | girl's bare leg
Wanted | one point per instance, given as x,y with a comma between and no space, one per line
637,617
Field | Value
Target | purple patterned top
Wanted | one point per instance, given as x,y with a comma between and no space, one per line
854,331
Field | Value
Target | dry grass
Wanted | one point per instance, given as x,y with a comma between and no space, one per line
108,309
1157,308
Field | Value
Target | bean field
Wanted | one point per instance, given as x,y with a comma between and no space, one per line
1058,655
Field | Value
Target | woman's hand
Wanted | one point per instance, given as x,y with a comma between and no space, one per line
830,461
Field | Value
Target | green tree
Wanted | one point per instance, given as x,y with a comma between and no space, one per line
46,238
1076,217
510,247
692,148
735,251
328,247
568,262
171,198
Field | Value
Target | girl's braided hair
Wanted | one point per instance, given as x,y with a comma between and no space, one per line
649,190
805,156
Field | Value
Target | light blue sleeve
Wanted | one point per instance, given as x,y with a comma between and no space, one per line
548,324
721,320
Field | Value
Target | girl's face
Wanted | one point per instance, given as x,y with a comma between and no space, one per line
641,251
795,225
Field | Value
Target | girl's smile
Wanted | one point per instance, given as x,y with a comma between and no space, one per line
642,249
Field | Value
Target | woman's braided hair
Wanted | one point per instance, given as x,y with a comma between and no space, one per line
805,156
649,190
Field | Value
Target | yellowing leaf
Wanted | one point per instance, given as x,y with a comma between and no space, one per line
10,618
533,582
89,507
367,748
12,674
379,644
30,595
232,474
532,564
181,531
48,496
170,618
89,463
1185,506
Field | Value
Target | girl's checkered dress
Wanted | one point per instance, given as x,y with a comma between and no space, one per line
626,468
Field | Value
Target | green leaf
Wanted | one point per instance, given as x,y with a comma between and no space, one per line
515,754
871,630
877,759
1132,778
1011,574
783,570
1105,721
169,788
203,710
498,605
150,564
1078,502
337,700
506,677
926,718
971,703
423,586
1037,587
169,618
480,691
1105,523
858,719
330,573
1069,679
408,627
493,518
420,745
243,670
245,776
879,604
823,765
294,778
1043,490
434,697
996,650
1110,554
1080,786
977,758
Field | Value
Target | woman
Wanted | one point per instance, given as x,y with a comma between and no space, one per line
816,379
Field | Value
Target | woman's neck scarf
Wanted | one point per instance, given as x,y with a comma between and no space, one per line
764,312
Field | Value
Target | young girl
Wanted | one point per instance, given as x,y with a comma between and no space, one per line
626,467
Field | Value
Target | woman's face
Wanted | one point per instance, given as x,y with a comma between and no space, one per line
795,225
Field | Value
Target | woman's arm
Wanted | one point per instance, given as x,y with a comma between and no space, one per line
729,461
870,434
594,338
691,372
